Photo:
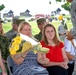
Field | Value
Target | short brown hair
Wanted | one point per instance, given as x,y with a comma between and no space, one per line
17,21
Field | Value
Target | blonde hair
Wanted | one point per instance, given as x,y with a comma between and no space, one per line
55,39
21,25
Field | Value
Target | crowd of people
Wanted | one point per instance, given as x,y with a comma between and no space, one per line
58,61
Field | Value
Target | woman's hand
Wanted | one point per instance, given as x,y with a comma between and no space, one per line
4,73
45,59
64,65
42,59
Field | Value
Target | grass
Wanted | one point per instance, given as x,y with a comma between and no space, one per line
7,26
35,30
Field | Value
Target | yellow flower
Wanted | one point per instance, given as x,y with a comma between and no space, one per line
12,52
17,38
16,47
19,46
16,42
60,17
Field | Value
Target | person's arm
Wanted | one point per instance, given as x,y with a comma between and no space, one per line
2,66
41,58
20,59
68,49
70,57
66,60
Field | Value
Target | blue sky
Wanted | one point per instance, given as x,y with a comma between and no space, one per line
35,6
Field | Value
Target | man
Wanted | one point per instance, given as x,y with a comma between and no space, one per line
62,28
40,22
73,31
13,32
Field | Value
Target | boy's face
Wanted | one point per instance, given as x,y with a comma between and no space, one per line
69,35
41,26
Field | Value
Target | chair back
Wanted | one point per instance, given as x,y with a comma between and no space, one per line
9,64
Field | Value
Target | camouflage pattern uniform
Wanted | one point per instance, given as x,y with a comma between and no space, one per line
38,36
40,21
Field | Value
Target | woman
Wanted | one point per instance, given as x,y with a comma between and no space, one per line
56,60
2,66
26,64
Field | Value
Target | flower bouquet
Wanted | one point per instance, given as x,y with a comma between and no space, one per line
22,44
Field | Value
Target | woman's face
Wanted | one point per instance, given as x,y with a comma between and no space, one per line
26,30
49,33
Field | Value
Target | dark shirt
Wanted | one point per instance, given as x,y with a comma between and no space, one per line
38,36
11,34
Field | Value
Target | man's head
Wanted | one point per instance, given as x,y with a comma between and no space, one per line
41,22
69,35
16,22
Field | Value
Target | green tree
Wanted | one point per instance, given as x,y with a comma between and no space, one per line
2,7
66,4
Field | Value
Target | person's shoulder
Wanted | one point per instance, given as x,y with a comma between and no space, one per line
38,36
61,44
9,31
42,42
66,40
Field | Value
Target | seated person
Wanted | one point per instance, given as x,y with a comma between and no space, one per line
56,60
26,64
70,49
41,22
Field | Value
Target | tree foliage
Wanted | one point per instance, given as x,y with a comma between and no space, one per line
66,4
2,7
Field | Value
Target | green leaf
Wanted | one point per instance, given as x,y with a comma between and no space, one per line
2,7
